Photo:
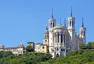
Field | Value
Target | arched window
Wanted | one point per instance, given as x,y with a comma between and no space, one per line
70,23
57,49
57,55
64,38
62,49
84,33
58,36
61,38
45,40
51,25
43,47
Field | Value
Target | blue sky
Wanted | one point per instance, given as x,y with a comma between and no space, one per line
25,20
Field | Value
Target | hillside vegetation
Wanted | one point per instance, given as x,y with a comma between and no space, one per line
75,57
83,56
32,58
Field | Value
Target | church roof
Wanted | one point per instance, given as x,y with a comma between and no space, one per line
59,26
20,45
39,43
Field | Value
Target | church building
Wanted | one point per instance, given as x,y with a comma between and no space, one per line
60,40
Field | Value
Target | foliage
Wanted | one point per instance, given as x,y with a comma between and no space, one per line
83,56
5,54
29,48
82,46
44,63
31,58
90,45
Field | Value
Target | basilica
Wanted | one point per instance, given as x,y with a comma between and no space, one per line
59,40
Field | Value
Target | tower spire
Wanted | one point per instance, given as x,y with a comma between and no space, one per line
52,12
46,26
60,21
82,23
71,11
65,22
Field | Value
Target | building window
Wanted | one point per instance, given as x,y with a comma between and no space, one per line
70,23
66,50
58,37
64,38
62,49
43,47
61,38
57,55
53,24
45,40
84,33
57,49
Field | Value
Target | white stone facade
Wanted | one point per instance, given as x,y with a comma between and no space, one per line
20,49
61,39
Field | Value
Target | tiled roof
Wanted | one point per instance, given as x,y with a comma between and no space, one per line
39,43
20,45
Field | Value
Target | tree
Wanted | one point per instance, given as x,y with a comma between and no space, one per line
29,48
44,63
73,53
4,54
88,46
80,51
82,46
92,45
15,61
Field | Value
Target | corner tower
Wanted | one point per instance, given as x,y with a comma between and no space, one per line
46,36
71,23
83,32
71,30
52,22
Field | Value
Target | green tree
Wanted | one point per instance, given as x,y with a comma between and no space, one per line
88,46
92,45
90,63
44,63
82,46
4,54
80,51
29,48
15,61
73,53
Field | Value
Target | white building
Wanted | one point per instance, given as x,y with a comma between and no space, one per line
63,39
20,49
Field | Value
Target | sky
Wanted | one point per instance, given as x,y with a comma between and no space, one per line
23,21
